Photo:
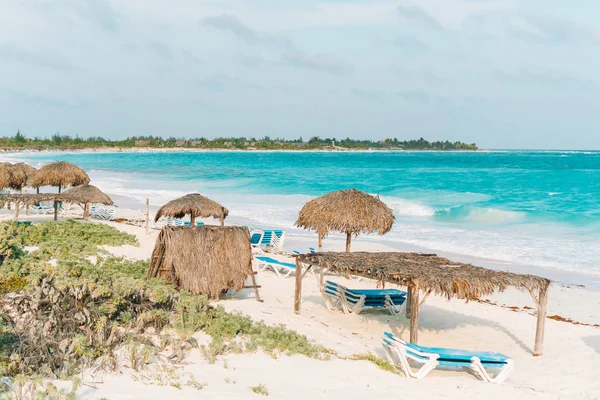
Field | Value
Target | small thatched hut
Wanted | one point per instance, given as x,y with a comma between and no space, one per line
86,195
346,211
60,174
194,204
203,260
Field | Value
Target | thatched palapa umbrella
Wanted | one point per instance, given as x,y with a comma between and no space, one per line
8,179
86,195
346,211
60,174
24,172
194,204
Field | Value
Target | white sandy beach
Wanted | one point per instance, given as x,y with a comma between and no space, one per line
567,370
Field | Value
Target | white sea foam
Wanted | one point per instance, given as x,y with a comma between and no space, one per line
408,207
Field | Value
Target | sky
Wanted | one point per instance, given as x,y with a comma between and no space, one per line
500,73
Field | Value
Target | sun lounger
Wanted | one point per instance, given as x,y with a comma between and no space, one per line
281,268
103,213
256,236
271,239
43,207
353,301
478,362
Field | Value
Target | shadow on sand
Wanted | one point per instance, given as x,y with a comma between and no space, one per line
593,342
434,319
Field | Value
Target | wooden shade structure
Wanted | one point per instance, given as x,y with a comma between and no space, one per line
60,174
86,195
20,200
428,273
195,205
347,211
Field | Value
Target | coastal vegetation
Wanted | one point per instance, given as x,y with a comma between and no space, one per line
66,305
67,142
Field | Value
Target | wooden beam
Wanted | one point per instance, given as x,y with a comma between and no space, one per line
306,272
147,215
321,276
542,302
348,240
298,292
408,302
414,314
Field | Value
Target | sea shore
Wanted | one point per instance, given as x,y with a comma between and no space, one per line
503,322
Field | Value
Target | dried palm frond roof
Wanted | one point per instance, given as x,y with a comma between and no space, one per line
86,194
21,173
346,211
61,174
29,199
425,271
28,169
194,204
203,260
7,176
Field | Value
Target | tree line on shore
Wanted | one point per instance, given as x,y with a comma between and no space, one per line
67,142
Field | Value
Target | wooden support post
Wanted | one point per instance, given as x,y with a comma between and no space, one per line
542,302
414,314
298,292
147,215
321,276
408,302
56,205
192,220
16,211
256,287
320,242
348,240
86,211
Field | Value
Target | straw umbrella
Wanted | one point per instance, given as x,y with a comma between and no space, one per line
346,211
7,176
24,172
194,204
86,195
60,174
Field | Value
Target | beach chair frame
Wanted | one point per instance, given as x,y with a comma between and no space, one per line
335,295
400,352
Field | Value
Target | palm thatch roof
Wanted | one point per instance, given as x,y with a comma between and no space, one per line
346,211
25,170
29,199
426,272
7,176
203,260
194,204
86,194
59,174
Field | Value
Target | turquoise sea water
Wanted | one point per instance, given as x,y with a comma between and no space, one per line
536,208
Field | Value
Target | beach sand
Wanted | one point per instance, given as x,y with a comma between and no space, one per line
502,323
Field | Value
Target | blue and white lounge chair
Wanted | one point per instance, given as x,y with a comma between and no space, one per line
478,362
256,236
280,268
103,213
272,239
43,207
353,301
178,222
